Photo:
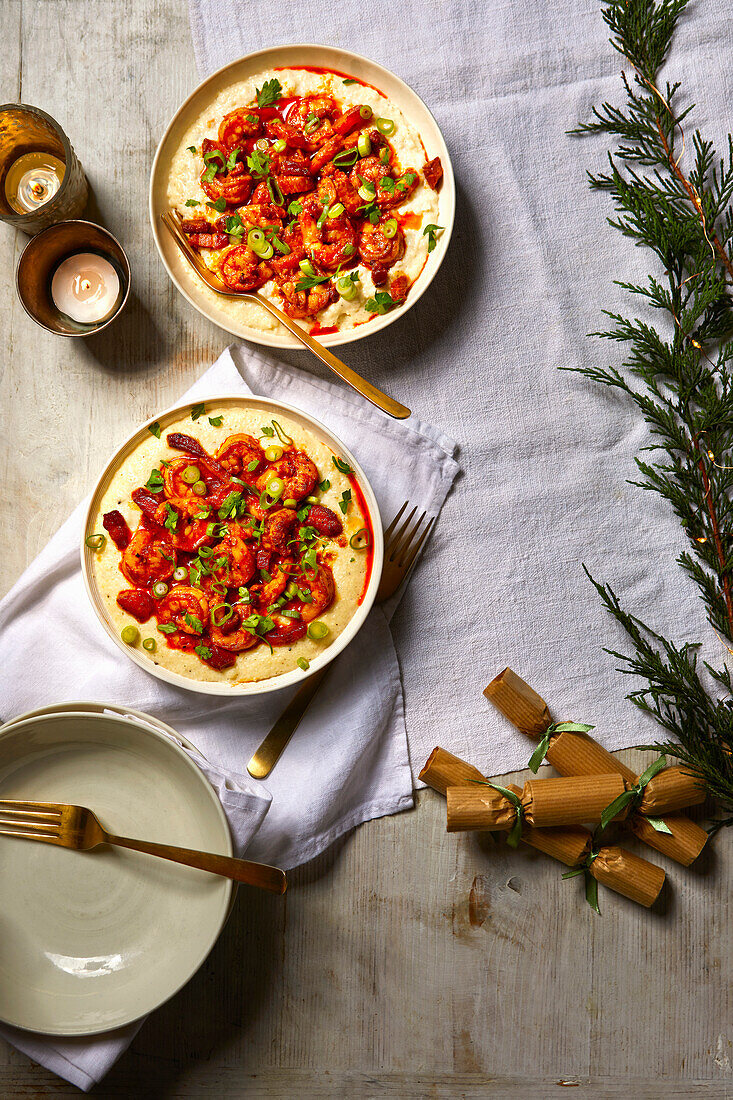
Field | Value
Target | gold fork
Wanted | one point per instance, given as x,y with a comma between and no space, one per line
77,827
400,551
172,221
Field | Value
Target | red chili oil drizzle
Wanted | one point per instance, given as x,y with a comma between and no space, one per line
411,220
329,72
359,496
319,330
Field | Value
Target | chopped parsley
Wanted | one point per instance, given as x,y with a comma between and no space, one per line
166,628
234,226
194,623
203,651
219,205
430,231
192,202
351,81
229,506
382,302
252,465
267,430
232,158
155,481
171,520
341,465
269,93
216,421
258,163
192,148
154,429
294,208
345,500
198,410
324,485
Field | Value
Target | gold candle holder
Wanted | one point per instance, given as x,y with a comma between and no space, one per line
43,256
41,179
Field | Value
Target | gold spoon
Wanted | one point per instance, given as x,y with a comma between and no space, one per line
171,220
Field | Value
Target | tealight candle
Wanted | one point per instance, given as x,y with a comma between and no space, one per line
33,180
85,287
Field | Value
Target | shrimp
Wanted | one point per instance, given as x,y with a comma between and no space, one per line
239,566
241,269
231,635
175,487
236,455
234,186
237,126
280,528
185,608
296,470
333,241
377,249
322,588
266,594
306,110
149,557
388,190
305,303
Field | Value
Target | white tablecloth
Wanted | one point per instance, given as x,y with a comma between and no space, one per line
546,455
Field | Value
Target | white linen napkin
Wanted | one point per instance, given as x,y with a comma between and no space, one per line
85,1061
348,761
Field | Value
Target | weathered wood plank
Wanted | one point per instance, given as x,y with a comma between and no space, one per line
373,976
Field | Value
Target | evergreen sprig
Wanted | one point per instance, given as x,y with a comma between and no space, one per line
673,195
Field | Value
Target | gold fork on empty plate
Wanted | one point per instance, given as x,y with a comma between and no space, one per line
78,827
172,221
401,546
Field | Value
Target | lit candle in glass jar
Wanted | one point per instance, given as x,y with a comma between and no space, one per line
32,180
86,288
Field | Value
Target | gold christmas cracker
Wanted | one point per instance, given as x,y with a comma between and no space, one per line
443,770
575,753
574,800
628,874
672,789
616,868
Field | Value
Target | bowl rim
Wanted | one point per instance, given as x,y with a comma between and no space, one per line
32,719
427,274
285,679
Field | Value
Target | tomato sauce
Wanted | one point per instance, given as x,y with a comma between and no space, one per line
329,72
369,551
319,330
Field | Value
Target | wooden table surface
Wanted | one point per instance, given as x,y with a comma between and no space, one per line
369,979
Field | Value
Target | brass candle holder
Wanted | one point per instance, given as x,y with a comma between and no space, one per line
43,256
41,179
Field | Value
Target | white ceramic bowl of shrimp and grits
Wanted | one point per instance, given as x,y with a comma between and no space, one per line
232,548
361,298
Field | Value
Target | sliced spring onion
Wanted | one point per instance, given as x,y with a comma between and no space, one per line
367,191
212,530
384,154
317,630
160,589
311,500
275,193
291,502
191,475
180,574
262,144
281,433
255,236
336,210
272,454
95,542
199,488
279,145
206,552
312,124
292,590
390,227
346,288
259,244
275,488
129,635
386,126
303,663
307,268
149,644
221,619
359,540
365,111
364,145
346,158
